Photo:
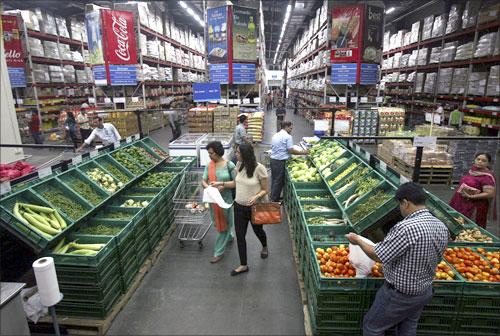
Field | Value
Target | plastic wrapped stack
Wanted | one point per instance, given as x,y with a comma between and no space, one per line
78,30
62,28
65,52
493,88
256,126
439,26
427,28
459,79
415,32
454,19
419,82
470,13
56,74
422,56
365,123
36,47
225,119
445,80
465,51
486,45
40,73
47,22
390,119
448,52
430,82
477,83
488,14
69,74
412,61
50,49
435,55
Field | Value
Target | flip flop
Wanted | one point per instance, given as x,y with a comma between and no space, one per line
234,272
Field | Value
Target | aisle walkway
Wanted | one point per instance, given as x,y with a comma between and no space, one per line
185,294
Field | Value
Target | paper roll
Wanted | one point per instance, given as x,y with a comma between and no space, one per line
46,280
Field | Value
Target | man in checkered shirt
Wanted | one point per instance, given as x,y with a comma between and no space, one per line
409,254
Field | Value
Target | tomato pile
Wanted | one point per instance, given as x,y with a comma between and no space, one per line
471,266
377,271
334,262
444,272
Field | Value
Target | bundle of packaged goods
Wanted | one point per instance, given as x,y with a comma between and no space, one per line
365,123
62,28
200,119
69,74
387,148
427,28
439,25
444,83
486,45
454,19
430,82
125,122
225,119
47,22
459,79
477,83
65,52
464,51
56,74
448,52
422,56
390,119
470,14
255,125
493,88
412,61
435,55
419,82
78,30
50,49
36,47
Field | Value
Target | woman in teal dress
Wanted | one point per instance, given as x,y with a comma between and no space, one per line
220,170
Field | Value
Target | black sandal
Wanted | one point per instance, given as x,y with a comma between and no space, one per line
264,254
235,272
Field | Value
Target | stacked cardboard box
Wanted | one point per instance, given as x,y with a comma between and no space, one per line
200,119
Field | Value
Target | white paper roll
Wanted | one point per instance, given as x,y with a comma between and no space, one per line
46,280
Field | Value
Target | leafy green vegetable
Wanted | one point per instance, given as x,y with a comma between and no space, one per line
156,180
128,163
369,205
101,229
340,176
73,209
117,215
320,220
316,207
116,172
85,190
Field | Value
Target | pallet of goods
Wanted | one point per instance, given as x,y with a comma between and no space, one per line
225,119
200,119
255,125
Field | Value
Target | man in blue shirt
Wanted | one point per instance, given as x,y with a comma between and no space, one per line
281,150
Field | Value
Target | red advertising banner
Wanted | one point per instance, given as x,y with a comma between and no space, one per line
347,27
14,54
119,37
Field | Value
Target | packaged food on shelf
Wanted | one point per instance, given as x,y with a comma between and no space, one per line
76,56
448,52
50,49
427,28
30,20
40,73
445,80
143,41
403,61
36,47
412,61
153,48
470,13
430,82
396,58
69,74
78,30
411,77
56,74
486,45
435,55
422,56
419,82
81,76
65,52
459,80
489,14
406,39
454,19
62,28
439,25
415,32
465,51
47,22
477,83
493,88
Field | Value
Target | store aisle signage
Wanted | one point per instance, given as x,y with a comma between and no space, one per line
203,92
119,37
369,74
217,34
373,27
13,47
244,33
94,37
346,33
123,75
244,73
99,72
344,73
17,77
219,73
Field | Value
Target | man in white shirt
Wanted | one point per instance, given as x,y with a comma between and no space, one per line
104,131
173,120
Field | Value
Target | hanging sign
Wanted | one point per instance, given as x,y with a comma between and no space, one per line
203,92
17,77
219,73
369,74
346,34
244,73
344,73
217,34
94,37
244,33
425,141
13,47
99,72
123,75
383,166
119,37
373,27
76,160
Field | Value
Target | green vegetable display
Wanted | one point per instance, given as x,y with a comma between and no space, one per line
45,221
369,205
159,152
101,229
306,198
134,204
156,180
351,180
128,163
85,190
364,186
117,215
71,208
106,181
140,193
116,172
141,155
302,171
323,153
320,220
343,174
316,208
77,249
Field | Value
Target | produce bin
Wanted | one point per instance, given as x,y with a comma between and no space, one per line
115,168
495,240
149,150
344,197
86,275
128,162
93,194
83,293
108,252
155,147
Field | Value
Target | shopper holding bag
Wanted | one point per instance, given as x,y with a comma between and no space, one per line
251,184
220,173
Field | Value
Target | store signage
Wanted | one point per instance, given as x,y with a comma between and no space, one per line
346,33
203,92
354,99
118,100
244,33
217,34
244,73
5,187
223,101
99,72
332,99
246,100
344,73
383,166
94,37
219,73
91,100
17,77
44,172
256,100
13,47
363,99
76,160
425,141
137,136
367,156
119,37
342,99
116,144
94,153
373,26
379,99
123,75
128,139
403,179
369,74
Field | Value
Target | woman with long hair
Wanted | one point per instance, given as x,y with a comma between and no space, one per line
70,125
222,171
251,187
475,191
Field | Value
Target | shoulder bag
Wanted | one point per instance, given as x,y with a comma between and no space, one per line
266,213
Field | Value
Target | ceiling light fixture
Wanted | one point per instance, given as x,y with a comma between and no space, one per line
283,28
192,13
390,10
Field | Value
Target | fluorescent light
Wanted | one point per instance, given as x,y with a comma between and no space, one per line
183,4
390,10
283,28
192,13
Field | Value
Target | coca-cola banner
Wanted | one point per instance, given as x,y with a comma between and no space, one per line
12,41
119,37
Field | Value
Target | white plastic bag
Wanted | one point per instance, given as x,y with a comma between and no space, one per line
32,305
359,260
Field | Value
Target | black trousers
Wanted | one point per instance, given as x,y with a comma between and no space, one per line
242,215
277,178
85,133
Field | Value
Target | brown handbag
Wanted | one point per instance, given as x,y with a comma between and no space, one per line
266,213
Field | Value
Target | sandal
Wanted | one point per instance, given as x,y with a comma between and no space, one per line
264,253
214,260
235,272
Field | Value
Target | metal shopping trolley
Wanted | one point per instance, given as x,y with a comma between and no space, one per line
190,212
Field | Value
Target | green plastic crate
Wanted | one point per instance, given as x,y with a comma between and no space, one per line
482,306
327,233
83,293
128,162
91,276
153,145
467,325
329,203
82,260
436,322
89,166
71,176
340,170
495,240
23,232
351,191
148,149
115,168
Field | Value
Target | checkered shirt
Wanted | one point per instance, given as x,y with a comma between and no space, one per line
412,250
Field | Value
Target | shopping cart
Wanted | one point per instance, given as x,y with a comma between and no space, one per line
264,150
191,215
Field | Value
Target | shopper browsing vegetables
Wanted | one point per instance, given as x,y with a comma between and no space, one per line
220,172
475,191
409,254
70,126
104,131
83,122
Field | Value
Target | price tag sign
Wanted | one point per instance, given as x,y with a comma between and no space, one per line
237,101
403,179
342,99
19,101
137,136
426,141
246,101
5,187
71,92
380,99
383,166
44,172
94,153
332,99
223,101
116,145
119,100
354,99
107,100
256,100
91,100
364,99
128,139
135,99
357,148
76,160
350,143
367,156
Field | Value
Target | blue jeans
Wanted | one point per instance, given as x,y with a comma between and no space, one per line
392,308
